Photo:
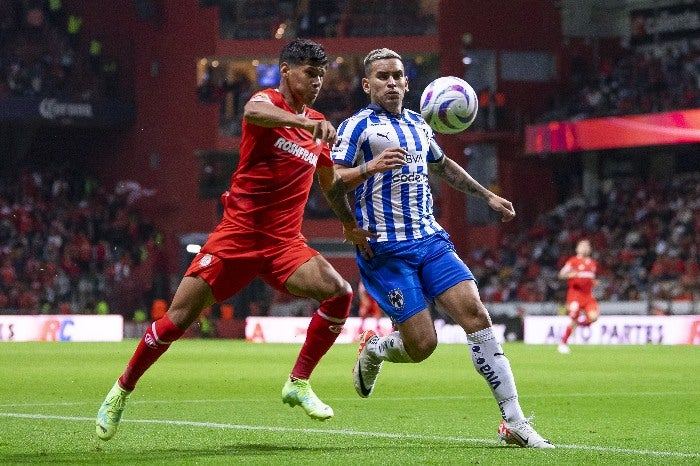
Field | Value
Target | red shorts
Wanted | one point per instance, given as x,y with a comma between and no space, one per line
578,305
230,269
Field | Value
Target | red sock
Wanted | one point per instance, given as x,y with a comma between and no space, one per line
566,336
154,343
326,324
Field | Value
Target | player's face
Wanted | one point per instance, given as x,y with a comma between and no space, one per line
386,84
583,248
303,82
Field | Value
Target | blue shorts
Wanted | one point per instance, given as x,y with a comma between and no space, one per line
403,274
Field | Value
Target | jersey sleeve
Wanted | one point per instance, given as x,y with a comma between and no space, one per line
345,149
435,152
324,158
261,96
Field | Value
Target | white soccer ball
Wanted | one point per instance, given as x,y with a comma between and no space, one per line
449,105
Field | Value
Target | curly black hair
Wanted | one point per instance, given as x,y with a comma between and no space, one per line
304,52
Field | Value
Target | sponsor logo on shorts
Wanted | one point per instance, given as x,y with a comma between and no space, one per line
396,298
206,260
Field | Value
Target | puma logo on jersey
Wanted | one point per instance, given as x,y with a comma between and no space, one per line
385,136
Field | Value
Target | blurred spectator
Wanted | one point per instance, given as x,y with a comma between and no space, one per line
646,236
264,19
654,79
41,53
65,243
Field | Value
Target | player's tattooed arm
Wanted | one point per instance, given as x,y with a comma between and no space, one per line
459,179
336,193
337,197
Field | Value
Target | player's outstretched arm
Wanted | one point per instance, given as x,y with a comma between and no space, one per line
267,115
337,196
459,179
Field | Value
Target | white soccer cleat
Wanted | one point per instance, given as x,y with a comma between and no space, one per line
522,434
563,348
365,371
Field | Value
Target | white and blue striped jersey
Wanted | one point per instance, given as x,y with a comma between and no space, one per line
398,204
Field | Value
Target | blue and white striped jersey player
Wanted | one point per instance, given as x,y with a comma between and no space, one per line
384,152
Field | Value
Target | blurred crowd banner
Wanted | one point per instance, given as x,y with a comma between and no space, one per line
610,308
293,329
65,112
62,328
680,127
617,330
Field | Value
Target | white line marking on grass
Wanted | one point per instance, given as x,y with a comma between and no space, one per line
216,425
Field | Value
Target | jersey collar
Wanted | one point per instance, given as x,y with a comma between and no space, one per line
379,109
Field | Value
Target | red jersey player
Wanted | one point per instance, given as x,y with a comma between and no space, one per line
368,307
581,305
283,143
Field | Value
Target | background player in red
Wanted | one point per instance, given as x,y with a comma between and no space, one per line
283,143
368,307
581,305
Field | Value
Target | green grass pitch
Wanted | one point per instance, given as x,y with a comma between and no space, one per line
218,402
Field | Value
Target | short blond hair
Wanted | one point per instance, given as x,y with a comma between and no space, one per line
378,54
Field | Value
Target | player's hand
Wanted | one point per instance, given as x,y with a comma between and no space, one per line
358,237
388,159
502,206
323,130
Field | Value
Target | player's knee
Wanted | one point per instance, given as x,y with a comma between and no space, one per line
337,307
337,286
422,349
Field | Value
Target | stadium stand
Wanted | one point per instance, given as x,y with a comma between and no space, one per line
624,82
42,53
70,245
644,234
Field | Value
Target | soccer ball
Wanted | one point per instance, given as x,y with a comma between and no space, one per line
449,105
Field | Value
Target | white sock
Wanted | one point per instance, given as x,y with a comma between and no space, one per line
389,348
492,364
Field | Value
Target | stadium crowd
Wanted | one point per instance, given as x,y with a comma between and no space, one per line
658,78
645,236
265,19
67,245
42,52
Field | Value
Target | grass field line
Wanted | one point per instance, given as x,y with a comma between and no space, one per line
412,398
403,436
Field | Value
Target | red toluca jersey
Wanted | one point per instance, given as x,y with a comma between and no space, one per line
271,185
585,269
